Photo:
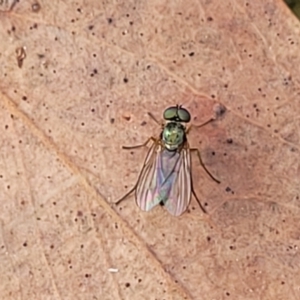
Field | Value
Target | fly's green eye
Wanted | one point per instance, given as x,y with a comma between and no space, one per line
183,115
170,113
177,113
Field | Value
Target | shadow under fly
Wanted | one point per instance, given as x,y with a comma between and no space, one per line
166,177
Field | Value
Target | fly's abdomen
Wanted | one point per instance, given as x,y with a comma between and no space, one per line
167,174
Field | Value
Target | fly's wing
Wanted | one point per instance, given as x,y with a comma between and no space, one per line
146,192
180,189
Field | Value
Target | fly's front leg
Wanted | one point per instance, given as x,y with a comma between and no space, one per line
198,126
155,120
202,164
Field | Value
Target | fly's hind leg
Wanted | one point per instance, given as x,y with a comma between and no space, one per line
155,141
127,194
195,195
202,164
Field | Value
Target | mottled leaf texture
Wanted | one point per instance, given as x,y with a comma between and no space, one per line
78,79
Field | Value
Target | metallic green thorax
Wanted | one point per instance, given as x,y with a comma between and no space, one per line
173,135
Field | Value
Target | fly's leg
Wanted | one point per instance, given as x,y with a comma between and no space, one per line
194,193
127,194
198,152
202,164
210,175
198,126
154,119
135,147
153,139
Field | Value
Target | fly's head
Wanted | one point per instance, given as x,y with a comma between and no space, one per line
177,114
173,135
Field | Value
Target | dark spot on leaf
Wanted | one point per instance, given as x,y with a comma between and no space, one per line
219,109
127,118
36,7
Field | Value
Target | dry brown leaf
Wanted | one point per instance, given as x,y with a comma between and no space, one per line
78,79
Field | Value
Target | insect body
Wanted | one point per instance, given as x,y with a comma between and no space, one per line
166,174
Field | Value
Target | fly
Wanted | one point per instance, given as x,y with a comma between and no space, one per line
166,176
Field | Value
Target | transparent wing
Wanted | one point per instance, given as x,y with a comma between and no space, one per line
146,192
166,178
180,189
